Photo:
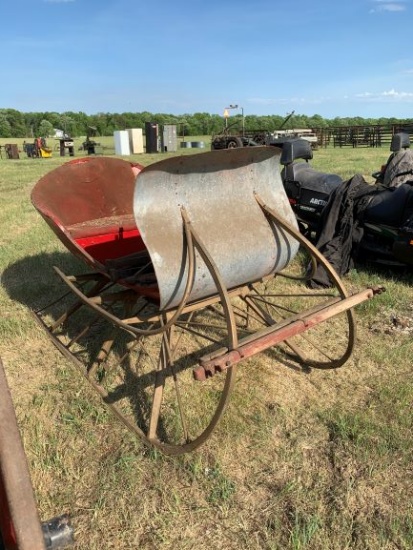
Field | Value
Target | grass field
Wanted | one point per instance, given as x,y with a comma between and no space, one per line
318,460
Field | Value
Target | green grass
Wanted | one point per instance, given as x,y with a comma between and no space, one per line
317,460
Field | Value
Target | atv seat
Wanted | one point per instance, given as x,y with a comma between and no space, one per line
296,149
300,175
391,207
399,166
400,141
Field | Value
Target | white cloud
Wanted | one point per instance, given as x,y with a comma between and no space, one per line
391,95
397,95
387,96
385,5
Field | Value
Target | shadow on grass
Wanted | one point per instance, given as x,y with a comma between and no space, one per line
399,273
128,380
33,282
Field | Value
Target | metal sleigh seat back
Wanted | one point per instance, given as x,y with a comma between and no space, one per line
213,197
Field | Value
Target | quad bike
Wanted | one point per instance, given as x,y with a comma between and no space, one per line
308,190
385,214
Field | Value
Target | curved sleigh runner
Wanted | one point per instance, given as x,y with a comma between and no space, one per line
196,267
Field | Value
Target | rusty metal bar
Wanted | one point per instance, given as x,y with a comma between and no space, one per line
251,345
18,504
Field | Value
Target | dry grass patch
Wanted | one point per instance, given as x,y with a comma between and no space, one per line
309,459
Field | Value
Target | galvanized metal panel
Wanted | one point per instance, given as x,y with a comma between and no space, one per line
217,190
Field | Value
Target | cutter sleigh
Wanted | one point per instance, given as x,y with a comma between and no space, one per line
194,266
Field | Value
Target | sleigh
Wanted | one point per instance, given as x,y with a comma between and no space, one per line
195,265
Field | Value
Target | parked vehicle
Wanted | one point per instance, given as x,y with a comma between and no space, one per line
308,190
230,139
383,216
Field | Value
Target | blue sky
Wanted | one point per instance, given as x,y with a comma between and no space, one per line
328,57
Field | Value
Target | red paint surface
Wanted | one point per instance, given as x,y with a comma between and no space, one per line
6,524
112,245
88,204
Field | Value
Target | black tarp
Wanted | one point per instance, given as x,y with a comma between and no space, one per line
342,229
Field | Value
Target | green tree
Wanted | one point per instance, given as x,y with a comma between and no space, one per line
5,127
55,119
45,129
32,122
317,121
67,124
16,122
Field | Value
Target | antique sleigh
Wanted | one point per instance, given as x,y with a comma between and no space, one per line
195,264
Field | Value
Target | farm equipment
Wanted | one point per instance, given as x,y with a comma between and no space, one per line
12,151
308,190
377,219
231,139
20,527
194,267
89,144
37,149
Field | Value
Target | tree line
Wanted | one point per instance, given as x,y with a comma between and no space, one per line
17,124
